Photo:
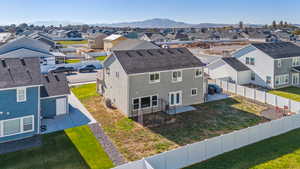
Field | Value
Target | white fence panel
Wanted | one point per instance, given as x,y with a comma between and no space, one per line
231,87
241,138
253,134
228,142
260,96
157,161
296,120
218,82
278,127
177,158
224,85
140,164
197,152
288,123
249,93
281,102
265,131
240,90
147,165
295,106
271,99
213,147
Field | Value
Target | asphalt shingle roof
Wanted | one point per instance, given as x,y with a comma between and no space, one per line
134,44
279,50
235,63
54,84
151,60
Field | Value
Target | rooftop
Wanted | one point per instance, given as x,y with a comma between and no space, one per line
279,50
235,64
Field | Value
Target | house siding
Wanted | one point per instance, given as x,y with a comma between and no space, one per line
140,87
48,106
16,110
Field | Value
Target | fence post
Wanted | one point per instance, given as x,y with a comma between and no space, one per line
290,105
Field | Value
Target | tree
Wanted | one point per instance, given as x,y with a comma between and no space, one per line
281,24
296,32
241,25
274,25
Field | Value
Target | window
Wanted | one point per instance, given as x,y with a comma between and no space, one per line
11,127
175,98
278,63
252,76
296,61
136,104
27,124
177,76
21,94
107,70
117,75
154,77
252,61
154,101
268,79
198,73
282,79
247,60
145,102
194,92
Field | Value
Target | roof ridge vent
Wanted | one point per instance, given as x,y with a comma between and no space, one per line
160,52
180,51
56,77
150,53
139,53
23,61
3,63
127,53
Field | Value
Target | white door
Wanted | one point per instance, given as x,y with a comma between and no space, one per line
295,78
175,98
61,106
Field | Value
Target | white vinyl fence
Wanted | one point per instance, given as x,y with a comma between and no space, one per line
259,96
203,150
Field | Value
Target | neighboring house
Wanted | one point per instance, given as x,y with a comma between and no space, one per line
5,36
146,81
93,55
27,47
229,69
111,41
274,65
178,36
134,44
153,37
43,38
27,96
95,41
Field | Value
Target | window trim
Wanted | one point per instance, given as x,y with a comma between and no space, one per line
178,79
154,81
284,83
192,91
18,93
139,99
21,126
180,101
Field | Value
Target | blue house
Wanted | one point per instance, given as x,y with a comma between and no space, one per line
27,96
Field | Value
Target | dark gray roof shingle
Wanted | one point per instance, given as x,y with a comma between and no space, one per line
151,60
134,44
279,50
235,63
54,84
16,72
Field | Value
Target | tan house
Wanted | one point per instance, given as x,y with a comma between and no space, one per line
95,41
111,41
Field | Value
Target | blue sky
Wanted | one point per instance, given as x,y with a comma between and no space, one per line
191,11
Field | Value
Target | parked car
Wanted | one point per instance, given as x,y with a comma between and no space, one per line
212,89
63,69
87,68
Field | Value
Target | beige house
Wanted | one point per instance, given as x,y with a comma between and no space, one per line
111,41
95,41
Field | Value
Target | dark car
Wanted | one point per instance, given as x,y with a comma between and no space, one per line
63,69
212,89
87,68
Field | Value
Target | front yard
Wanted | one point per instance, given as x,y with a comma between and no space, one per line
75,148
281,152
292,93
135,141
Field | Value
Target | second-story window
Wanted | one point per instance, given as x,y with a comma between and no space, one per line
177,76
21,94
154,78
278,63
296,61
252,61
198,73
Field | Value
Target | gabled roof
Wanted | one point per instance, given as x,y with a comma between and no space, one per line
54,84
112,37
23,52
134,44
24,42
16,72
151,60
235,64
278,50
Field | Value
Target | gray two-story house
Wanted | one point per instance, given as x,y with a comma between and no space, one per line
146,81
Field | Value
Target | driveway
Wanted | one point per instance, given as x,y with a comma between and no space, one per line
82,77
78,116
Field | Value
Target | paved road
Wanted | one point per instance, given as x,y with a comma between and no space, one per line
82,77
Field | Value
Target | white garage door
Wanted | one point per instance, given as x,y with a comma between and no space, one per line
61,107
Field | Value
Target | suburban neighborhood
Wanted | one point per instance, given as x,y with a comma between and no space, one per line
127,85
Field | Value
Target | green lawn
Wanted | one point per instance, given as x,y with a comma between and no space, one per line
292,93
74,148
135,141
100,58
73,42
73,61
281,152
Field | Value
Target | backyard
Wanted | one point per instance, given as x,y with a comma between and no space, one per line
275,153
100,58
75,148
72,42
292,93
135,141
72,60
